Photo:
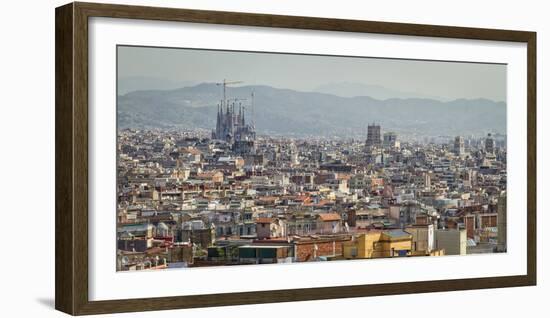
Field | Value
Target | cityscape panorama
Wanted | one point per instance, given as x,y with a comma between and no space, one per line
219,164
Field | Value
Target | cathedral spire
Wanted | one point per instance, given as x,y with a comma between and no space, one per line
230,122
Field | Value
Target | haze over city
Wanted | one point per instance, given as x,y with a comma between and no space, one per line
230,159
150,67
180,89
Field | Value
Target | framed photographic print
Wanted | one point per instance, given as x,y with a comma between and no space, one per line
236,158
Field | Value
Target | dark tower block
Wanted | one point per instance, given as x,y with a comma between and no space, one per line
373,136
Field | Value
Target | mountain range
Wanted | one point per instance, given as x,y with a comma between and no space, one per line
351,89
290,112
137,83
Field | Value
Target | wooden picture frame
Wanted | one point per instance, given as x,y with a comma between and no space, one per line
71,222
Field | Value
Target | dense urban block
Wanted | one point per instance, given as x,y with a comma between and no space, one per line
232,196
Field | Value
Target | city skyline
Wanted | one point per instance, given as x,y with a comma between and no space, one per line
219,174
308,113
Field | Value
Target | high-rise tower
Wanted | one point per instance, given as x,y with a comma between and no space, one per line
459,146
373,136
390,140
489,144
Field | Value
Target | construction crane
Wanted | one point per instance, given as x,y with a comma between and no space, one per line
224,85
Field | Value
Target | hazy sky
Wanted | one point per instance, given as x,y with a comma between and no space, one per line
448,80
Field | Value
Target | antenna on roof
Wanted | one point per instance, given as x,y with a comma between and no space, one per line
252,111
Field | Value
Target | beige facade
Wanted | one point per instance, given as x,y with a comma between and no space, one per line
453,241
423,237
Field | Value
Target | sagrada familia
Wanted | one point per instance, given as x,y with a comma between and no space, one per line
231,126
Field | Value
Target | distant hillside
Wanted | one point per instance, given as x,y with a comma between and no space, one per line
284,111
346,89
138,83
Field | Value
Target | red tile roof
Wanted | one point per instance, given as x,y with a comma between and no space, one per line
326,217
264,220
192,151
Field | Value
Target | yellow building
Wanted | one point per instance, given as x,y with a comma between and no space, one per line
376,244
